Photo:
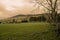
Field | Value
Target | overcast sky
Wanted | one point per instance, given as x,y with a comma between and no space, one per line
10,8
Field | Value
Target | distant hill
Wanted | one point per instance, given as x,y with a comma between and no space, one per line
21,17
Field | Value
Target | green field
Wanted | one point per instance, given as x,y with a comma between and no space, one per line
27,31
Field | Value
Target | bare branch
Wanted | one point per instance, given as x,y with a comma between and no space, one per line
47,2
46,7
55,4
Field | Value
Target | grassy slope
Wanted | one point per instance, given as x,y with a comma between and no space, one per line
27,31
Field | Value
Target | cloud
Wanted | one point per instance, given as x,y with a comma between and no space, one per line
10,8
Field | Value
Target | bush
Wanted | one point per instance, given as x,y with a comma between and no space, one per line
24,21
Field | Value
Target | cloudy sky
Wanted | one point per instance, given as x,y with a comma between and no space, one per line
10,8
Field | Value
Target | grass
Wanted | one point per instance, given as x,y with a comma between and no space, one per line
27,31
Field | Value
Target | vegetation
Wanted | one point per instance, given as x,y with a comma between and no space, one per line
28,31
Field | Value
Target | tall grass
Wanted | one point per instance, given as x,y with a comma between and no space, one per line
27,31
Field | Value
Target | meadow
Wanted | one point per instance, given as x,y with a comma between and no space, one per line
27,31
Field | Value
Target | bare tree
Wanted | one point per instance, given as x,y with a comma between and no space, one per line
52,7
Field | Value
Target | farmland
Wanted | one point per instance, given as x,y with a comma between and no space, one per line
27,31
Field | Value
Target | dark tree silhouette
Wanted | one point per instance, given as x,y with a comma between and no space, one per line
41,18
33,19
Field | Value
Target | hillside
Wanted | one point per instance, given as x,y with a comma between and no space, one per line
26,18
